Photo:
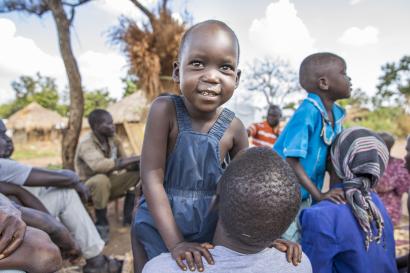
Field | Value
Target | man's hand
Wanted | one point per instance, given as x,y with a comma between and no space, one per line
12,230
82,191
293,250
335,195
192,253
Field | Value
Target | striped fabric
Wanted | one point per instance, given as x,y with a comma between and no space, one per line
263,135
360,157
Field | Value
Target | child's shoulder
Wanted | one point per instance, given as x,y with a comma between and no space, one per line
163,105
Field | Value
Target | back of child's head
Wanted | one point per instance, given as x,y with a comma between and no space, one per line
199,26
315,66
259,197
388,139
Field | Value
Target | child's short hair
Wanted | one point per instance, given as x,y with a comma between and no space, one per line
259,197
313,66
216,22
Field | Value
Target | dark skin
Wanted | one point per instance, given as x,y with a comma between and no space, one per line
207,75
43,177
332,84
105,130
34,214
36,254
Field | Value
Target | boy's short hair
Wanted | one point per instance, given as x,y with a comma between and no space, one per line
210,22
388,139
96,116
259,197
314,66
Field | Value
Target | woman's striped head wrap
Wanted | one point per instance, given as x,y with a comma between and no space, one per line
359,157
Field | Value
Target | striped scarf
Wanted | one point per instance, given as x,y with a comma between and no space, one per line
359,157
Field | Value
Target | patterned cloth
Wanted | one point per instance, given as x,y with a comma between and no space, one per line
263,134
391,187
359,157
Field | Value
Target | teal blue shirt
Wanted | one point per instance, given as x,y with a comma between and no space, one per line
308,136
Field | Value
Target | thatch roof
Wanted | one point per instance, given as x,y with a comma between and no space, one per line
132,108
34,117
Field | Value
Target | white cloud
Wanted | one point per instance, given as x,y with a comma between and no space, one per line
21,56
355,2
355,36
281,33
122,7
102,70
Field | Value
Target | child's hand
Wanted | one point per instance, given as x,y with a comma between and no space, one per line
293,250
335,195
192,253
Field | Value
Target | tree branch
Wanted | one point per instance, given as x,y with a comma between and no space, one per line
149,14
81,2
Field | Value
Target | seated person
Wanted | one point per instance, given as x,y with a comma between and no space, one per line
24,248
57,192
99,155
258,196
394,183
266,132
355,237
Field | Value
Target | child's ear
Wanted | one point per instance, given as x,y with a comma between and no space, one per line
175,71
323,83
238,77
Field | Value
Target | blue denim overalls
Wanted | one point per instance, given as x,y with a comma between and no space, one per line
192,171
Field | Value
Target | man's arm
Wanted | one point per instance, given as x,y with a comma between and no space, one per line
37,254
60,179
335,195
12,228
26,198
58,233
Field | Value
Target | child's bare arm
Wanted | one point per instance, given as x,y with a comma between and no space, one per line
336,195
153,159
240,137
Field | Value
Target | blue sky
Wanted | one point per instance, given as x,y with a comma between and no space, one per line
367,33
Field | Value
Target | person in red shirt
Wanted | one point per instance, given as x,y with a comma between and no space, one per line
266,132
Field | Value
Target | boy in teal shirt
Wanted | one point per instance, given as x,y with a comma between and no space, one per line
306,139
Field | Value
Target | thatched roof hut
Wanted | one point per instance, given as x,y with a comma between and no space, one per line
129,116
35,117
132,108
35,123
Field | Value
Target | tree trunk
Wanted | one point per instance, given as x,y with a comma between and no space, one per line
72,133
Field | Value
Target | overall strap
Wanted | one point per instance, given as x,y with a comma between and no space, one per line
183,120
222,123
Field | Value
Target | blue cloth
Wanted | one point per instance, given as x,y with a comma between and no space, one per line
191,175
334,241
308,136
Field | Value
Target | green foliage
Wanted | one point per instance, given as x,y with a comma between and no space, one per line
358,98
41,89
131,85
96,99
390,119
394,84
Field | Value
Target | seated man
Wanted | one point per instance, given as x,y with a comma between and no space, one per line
266,132
257,197
99,155
57,192
394,183
355,237
24,248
